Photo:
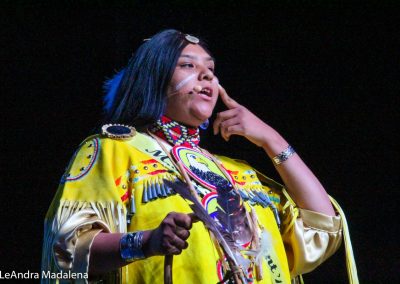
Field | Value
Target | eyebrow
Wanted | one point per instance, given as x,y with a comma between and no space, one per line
209,58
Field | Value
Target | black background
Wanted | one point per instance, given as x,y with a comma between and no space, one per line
326,76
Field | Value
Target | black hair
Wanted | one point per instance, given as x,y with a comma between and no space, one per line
137,95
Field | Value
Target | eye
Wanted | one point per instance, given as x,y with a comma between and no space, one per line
187,65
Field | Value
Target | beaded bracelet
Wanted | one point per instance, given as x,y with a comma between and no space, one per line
130,246
284,155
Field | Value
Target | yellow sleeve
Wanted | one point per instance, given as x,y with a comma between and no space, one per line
312,237
89,200
309,237
72,242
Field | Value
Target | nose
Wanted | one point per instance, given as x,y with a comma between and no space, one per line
206,74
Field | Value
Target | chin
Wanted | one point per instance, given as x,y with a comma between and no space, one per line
202,113
200,118
194,121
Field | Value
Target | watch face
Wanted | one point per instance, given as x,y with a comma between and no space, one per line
200,167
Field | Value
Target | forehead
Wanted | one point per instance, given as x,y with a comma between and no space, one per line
195,51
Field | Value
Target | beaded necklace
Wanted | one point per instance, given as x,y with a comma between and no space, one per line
175,133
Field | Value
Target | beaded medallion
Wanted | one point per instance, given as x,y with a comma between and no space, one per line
200,167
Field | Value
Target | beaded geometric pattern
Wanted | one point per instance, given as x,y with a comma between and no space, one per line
175,133
88,154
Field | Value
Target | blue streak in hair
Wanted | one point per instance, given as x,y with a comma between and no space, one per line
110,88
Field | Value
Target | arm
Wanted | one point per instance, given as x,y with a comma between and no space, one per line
301,183
83,225
167,239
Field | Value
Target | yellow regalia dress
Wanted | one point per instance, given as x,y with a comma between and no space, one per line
117,185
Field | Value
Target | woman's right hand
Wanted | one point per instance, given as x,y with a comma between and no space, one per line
170,236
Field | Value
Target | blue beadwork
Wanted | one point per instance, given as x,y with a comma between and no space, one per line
210,177
205,124
118,129
131,246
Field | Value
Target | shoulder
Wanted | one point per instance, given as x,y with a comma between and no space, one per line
120,141
117,137
110,134
100,149
118,131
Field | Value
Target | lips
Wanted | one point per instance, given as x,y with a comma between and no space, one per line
206,91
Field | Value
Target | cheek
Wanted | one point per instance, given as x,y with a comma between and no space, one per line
185,82
177,101
181,83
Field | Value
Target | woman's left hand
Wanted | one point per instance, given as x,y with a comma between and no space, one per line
303,186
238,120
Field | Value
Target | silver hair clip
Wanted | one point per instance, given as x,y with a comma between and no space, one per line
192,39
188,37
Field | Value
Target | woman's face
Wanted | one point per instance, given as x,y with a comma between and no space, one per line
193,90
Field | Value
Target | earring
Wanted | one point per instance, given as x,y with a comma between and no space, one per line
205,124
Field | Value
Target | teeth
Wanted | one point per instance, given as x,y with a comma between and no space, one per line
204,91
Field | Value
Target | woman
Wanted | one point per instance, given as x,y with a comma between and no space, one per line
115,215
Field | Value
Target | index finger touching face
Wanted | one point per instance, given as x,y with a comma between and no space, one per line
226,99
